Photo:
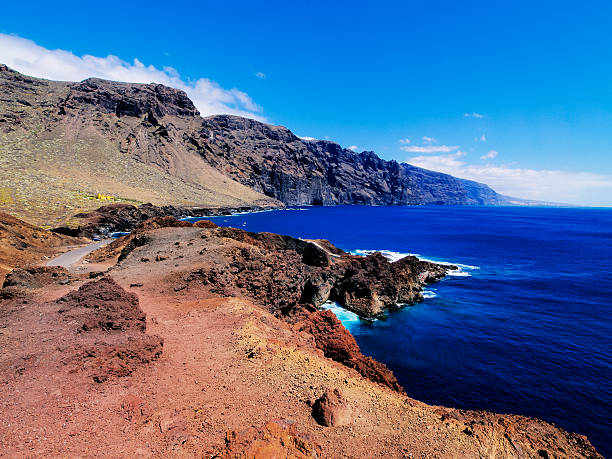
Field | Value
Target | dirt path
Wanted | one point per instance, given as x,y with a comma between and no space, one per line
312,241
68,259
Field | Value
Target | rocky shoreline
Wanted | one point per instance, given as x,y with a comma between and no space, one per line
198,340
365,285
114,218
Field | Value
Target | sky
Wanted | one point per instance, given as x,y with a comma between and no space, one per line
517,94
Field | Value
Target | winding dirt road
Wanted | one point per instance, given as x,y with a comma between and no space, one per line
68,259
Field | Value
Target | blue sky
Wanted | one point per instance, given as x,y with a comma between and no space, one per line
398,78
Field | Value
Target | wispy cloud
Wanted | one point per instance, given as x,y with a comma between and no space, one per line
482,138
405,141
208,96
260,75
429,139
352,147
490,155
543,185
473,115
429,148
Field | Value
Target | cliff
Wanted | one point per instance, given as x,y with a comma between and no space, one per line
272,160
67,148
64,147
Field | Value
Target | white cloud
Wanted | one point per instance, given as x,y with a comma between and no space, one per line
542,185
208,96
307,138
482,138
404,141
429,139
490,155
429,148
473,115
353,148
260,75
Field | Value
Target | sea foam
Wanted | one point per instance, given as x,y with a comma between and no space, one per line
345,316
461,271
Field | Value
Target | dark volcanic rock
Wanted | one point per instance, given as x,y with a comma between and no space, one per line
125,217
371,284
125,99
274,161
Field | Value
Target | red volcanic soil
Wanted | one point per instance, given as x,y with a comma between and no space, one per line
22,244
182,350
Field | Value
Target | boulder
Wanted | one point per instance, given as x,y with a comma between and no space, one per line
332,409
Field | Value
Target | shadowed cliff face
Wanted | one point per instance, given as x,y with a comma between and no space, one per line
272,160
148,143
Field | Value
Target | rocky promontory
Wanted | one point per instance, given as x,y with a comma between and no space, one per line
199,341
285,274
123,217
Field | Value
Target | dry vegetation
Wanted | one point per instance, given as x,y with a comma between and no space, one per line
53,165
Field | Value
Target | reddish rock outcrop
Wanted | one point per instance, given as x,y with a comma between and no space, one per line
205,224
277,439
338,344
111,329
332,409
103,305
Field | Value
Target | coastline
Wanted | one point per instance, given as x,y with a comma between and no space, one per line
177,268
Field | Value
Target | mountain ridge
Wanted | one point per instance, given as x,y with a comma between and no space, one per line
62,143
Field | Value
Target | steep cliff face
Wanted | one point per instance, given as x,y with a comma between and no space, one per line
61,142
272,160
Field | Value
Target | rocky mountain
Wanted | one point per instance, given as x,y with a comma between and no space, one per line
64,145
67,148
274,161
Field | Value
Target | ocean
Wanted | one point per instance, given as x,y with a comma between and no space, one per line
525,325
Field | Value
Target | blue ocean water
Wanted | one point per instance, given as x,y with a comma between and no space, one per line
526,329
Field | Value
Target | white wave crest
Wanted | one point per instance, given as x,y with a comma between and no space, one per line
388,254
345,316
461,271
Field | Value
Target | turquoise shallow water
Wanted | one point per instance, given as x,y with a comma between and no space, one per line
525,327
